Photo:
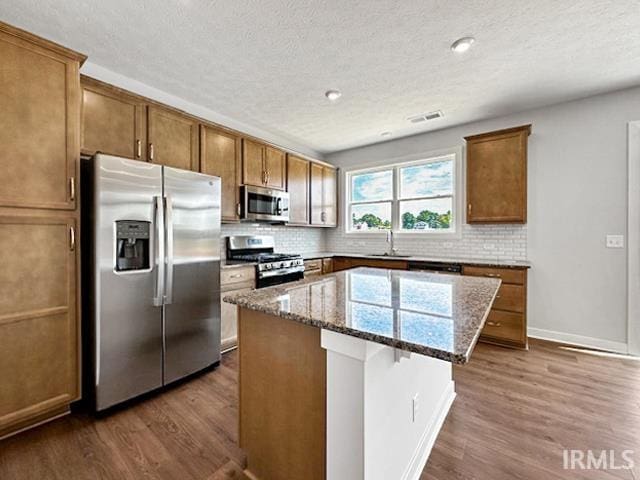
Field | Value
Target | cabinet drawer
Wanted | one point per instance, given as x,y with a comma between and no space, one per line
511,298
235,275
507,275
312,265
505,326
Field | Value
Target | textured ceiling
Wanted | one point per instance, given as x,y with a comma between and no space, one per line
268,63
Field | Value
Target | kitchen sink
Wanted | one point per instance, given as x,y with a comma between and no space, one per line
387,255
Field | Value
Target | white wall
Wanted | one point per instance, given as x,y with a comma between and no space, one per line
577,195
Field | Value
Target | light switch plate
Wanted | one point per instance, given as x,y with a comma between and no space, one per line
615,241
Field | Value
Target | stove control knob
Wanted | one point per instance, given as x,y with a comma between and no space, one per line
268,266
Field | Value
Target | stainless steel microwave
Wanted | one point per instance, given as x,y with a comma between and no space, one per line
264,204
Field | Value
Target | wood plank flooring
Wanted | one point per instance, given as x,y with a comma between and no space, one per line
515,413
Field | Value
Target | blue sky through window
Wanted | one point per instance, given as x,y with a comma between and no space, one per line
427,180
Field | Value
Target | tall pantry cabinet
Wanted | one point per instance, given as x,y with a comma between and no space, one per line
39,238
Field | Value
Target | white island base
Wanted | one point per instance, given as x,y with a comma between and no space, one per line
385,409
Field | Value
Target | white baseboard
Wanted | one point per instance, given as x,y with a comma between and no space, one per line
423,450
578,340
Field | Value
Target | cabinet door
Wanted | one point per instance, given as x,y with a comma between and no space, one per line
329,197
275,167
220,156
173,139
252,163
229,322
112,122
497,177
39,124
316,197
38,325
298,188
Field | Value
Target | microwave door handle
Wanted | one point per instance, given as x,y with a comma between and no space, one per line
278,211
158,299
169,221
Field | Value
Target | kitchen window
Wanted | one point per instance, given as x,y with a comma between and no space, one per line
417,196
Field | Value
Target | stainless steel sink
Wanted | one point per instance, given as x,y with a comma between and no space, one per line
387,255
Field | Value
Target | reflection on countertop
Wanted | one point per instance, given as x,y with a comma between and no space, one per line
436,315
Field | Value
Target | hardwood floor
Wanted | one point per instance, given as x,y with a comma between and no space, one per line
515,413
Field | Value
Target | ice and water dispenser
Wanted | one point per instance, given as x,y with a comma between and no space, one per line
132,245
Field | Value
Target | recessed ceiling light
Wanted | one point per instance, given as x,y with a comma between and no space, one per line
462,44
333,95
386,134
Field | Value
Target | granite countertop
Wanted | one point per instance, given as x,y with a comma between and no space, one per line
482,262
436,315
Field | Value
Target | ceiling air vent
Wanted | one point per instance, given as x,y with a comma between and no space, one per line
423,117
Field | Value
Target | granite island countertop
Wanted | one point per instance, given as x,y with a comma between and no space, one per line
436,315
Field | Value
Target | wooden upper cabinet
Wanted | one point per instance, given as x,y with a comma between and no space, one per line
39,121
252,163
39,336
220,156
324,201
330,196
113,122
497,176
275,167
263,165
298,188
173,139
316,194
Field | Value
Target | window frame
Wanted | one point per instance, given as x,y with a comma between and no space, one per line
395,165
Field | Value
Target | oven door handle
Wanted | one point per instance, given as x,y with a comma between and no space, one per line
282,271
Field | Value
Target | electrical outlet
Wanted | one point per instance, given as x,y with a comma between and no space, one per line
615,241
414,407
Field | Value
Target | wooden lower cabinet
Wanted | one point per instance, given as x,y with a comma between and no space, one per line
507,322
233,280
313,267
344,263
327,265
39,331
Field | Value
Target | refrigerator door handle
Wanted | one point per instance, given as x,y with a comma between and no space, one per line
169,222
158,299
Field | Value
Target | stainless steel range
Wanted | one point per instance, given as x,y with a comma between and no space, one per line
272,268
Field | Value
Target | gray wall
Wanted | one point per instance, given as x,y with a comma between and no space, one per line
577,195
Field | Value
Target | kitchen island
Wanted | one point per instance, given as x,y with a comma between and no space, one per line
348,376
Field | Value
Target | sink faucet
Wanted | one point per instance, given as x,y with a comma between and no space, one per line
390,240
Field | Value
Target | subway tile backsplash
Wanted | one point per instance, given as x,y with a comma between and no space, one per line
288,239
491,242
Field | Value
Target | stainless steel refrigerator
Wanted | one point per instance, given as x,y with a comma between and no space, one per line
152,260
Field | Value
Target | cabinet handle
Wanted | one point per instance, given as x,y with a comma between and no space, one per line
238,211
138,148
494,324
323,217
151,152
236,275
72,238
469,209
492,275
72,188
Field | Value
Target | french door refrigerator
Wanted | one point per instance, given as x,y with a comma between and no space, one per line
153,265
